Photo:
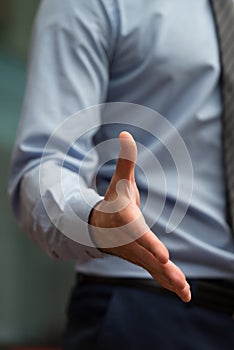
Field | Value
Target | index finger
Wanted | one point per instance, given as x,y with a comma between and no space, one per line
151,242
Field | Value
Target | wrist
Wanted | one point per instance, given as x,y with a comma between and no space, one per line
94,215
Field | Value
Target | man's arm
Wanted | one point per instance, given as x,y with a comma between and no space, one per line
68,71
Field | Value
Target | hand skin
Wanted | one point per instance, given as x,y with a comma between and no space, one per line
121,205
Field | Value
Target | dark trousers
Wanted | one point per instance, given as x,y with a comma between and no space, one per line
101,317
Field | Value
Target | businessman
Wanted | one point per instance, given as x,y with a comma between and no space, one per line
173,57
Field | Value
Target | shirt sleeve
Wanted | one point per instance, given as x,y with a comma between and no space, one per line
71,48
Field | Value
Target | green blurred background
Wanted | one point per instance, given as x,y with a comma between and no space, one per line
33,289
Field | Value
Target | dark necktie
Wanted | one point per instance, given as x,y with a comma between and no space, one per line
224,17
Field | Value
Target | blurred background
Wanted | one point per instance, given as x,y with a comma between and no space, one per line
33,289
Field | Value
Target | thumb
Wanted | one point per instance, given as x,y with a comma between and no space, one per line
127,157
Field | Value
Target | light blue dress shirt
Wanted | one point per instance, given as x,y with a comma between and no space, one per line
162,54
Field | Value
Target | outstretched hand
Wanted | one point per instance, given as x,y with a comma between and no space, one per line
119,228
